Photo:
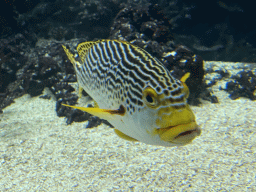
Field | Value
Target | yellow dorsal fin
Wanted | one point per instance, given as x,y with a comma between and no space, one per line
124,136
70,55
83,48
101,113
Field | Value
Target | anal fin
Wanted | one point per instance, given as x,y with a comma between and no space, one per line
124,136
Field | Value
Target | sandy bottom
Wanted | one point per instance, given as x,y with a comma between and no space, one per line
39,152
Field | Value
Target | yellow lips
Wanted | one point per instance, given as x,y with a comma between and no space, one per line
180,134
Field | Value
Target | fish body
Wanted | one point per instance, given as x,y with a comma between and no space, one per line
134,92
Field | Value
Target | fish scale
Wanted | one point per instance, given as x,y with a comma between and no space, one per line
134,92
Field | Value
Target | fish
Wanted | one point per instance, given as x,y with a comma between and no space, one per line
134,92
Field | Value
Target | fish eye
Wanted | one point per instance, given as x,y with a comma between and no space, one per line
150,97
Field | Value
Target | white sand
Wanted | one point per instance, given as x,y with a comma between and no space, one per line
39,152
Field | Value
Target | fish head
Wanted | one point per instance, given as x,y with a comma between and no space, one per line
170,119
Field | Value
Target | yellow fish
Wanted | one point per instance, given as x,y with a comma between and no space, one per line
134,92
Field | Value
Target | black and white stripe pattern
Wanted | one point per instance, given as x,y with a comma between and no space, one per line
121,71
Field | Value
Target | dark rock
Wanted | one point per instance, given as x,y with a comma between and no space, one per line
95,121
45,97
214,99
65,20
227,36
208,96
12,59
243,85
141,22
78,116
181,61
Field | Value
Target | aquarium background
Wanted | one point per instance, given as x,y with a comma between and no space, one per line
216,30
45,146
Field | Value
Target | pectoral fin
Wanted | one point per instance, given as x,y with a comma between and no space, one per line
101,113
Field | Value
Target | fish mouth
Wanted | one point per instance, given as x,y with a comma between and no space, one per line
180,134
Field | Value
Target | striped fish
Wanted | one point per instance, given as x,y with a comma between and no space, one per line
134,92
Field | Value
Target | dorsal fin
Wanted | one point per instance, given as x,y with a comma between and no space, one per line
70,55
83,48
